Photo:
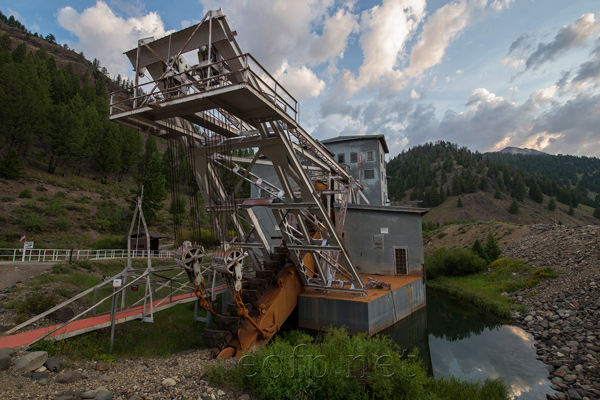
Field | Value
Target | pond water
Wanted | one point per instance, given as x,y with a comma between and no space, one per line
455,338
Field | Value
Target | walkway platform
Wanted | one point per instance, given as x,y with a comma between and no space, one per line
85,325
371,313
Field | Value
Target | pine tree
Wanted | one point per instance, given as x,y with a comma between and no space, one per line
154,188
571,210
536,194
518,190
459,202
497,191
551,204
597,212
480,251
491,247
483,183
514,207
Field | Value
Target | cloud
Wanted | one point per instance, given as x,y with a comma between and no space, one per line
572,126
385,29
439,31
105,36
500,5
301,82
568,37
336,31
306,32
590,70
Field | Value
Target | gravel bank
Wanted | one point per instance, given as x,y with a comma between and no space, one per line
563,314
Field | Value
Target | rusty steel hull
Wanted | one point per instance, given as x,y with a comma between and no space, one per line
372,313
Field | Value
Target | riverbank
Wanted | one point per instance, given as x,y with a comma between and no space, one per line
563,314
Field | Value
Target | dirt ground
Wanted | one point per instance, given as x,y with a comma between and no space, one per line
15,272
463,236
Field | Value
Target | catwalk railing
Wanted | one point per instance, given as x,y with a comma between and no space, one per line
50,255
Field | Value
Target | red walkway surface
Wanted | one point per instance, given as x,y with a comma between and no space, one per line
90,324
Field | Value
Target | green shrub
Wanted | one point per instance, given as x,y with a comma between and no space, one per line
62,224
340,366
36,303
26,194
60,195
43,199
453,262
110,242
32,223
55,207
5,199
88,266
41,188
60,269
31,205
343,366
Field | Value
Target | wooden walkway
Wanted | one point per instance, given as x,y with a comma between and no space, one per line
85,325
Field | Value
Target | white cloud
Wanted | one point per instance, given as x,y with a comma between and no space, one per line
336,31
544,96
500,5
540,141
301,82
569,36
438,32
385,30
275,30
105,36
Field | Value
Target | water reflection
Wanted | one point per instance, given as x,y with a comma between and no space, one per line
457,339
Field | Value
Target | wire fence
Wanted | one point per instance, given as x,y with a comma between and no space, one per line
70,255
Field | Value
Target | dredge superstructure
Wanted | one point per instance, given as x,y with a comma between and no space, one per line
215,101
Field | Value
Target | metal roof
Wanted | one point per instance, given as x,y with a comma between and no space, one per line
359,137
391,209
153,235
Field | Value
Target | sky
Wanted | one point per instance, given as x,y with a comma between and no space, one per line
485,74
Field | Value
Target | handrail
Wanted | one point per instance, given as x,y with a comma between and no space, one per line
128,99
46,255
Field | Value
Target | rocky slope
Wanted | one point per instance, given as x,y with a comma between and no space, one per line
563,314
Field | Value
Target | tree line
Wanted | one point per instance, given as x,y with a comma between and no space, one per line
431,172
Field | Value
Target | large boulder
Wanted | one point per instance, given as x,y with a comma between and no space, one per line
30,362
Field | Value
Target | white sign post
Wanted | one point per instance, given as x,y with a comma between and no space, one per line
26,245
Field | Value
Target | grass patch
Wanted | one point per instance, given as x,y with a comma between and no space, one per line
343,366
485,290
173,331
476,290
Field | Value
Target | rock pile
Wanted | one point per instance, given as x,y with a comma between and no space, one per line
563,314
180,376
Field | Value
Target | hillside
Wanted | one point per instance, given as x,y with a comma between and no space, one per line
68,176
460,185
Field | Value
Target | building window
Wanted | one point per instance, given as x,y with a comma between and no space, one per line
353,157
382,158
370,156
369,174
401,260
378,241
341,158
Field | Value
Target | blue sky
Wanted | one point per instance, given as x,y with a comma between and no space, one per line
480,73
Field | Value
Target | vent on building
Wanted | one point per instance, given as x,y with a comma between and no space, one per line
341,158
369,174
378,241
401,260
370,156
353,157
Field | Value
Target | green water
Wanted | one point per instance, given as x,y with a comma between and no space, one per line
455,338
